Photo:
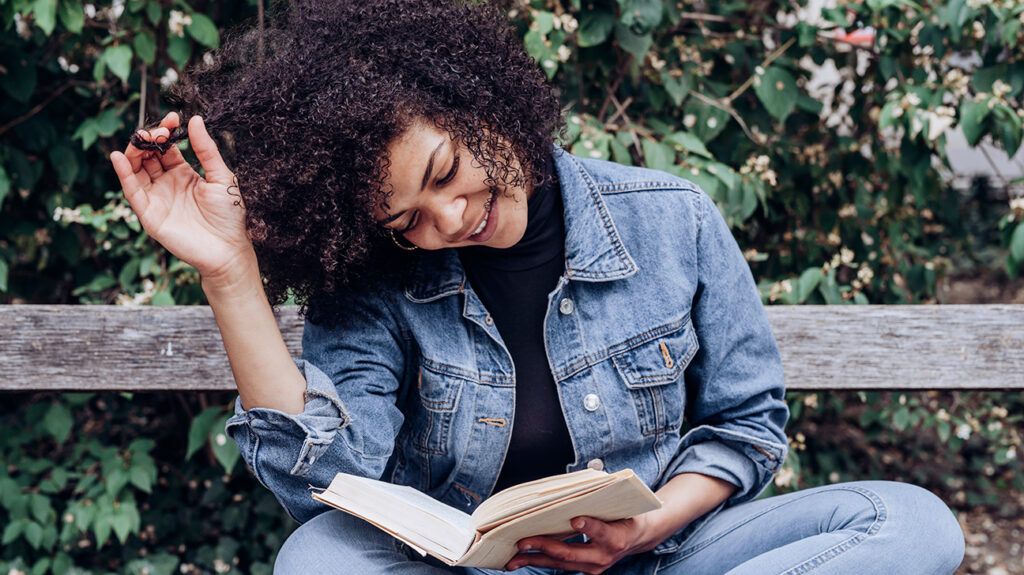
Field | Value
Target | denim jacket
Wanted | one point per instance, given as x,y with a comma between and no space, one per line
656,321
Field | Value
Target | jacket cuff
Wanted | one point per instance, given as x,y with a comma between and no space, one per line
745,461
263,432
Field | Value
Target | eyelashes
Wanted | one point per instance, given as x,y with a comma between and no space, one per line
448,177
451,173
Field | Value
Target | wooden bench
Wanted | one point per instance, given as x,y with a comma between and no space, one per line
117,348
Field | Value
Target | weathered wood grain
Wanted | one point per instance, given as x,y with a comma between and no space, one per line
823,347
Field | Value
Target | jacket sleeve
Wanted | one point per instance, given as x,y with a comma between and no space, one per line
734,384
350,419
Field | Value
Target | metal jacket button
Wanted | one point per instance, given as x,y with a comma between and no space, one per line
566,306
488,319
591,402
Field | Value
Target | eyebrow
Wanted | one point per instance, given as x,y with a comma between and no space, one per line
423,184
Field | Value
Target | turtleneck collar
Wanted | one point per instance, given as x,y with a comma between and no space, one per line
543,239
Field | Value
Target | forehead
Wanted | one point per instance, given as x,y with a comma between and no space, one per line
409,155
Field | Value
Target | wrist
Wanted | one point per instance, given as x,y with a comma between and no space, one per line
655,527
240,276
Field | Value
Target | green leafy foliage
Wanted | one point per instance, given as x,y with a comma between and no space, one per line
834,192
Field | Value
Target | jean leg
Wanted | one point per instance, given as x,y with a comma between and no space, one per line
857,527
337,543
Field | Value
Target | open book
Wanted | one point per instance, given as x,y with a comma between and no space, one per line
488,537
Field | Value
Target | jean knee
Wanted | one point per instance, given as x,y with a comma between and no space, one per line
332,537
929,523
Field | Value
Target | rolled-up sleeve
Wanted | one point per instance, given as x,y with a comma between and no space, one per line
734,385
350,418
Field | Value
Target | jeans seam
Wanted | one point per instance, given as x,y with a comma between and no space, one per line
880,516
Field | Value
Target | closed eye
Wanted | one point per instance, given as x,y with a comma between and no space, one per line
451,173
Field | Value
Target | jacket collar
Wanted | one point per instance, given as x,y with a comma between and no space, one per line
593,249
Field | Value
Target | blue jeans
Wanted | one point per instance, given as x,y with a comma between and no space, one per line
857,527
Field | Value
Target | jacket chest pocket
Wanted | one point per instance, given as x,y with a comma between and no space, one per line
438,399
652,371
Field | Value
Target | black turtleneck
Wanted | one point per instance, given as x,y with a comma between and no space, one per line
513,284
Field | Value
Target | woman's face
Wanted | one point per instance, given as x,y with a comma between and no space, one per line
440,198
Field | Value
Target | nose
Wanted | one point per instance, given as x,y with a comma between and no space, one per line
449,216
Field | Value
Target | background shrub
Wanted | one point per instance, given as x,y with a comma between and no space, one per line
837,192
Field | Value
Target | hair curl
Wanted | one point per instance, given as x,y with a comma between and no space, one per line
305,109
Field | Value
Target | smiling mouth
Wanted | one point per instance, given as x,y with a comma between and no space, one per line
488,206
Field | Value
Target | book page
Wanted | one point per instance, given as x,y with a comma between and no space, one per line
515,499
406,513
627,496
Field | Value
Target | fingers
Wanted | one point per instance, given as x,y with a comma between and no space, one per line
206,150
151,161
562,551
130,185
172,157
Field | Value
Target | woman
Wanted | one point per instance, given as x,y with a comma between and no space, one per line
483,308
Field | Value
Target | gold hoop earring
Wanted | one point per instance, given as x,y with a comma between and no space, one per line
397,243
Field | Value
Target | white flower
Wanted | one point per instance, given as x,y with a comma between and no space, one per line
1000,88
169,77
220,439
784,477
938,124
569,24
963,431
177,22
1017,203
24,30
975,4
117,8
689,120
564,52
978,30
90,10
1011,453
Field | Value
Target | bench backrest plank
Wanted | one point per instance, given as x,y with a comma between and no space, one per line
94,348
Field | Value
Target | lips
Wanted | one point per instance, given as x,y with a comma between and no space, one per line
489,206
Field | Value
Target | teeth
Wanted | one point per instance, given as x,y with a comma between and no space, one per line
480,228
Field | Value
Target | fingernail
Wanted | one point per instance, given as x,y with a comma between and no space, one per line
580,524
526,547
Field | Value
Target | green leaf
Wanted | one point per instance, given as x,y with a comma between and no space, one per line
40,507
5,185
20,79
657,155
65,162
46,15
225,450
4,270
119,59
204,30
179,49
972,120
807,283
121,523
145,46
1017,243
161,298
33,534
901,419
595,26
140,478
677,88
691,143
199,429
154,11
115,481
12,532
635,44
641,16
777,90
57,422
1008,127
544,22
71,15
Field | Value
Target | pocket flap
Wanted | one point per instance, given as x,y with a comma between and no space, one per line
660,360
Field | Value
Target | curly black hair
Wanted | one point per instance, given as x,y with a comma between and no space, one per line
305,109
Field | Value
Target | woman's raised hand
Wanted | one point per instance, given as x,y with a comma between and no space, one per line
199,220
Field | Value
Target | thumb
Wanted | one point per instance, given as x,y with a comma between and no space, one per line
207,152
